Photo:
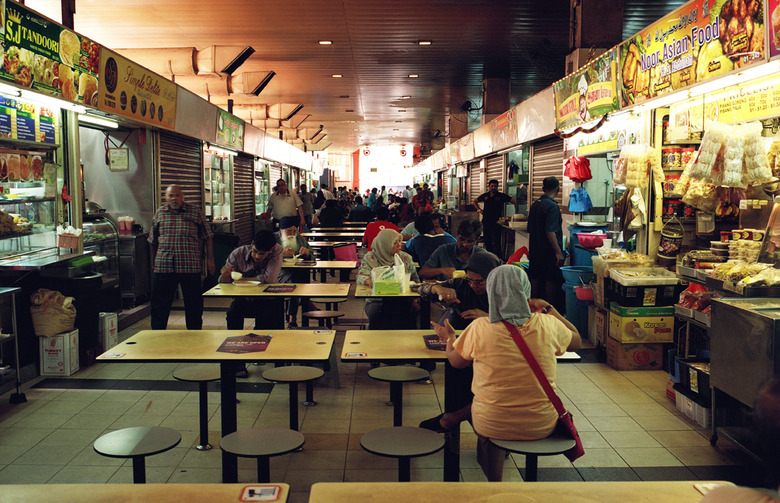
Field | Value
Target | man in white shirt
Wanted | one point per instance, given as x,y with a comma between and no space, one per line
283,203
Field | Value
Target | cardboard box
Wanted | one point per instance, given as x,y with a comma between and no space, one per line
602,326
634,356
671,394
59,354
109,330
593,336
641,324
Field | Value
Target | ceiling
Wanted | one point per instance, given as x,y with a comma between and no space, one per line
375,49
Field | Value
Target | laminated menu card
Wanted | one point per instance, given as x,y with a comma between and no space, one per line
432,341
250,343
279,288
307,262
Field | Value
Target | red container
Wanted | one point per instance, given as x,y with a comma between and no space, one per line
590,240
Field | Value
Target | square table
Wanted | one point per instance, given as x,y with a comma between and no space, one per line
127,493
334,290
323,266
200,346
393,346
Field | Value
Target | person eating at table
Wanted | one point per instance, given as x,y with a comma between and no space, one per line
509,403
451,257
387,312
293,245
427,241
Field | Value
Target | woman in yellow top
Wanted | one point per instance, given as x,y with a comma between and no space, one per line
509,403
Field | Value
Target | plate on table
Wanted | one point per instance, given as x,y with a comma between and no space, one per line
246,282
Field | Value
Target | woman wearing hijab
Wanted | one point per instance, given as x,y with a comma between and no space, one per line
509,403
387,313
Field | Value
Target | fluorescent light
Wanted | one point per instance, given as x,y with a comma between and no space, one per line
424,42
50,101
9,90
406,97
325,42
413,75
221,151
99,121
337,75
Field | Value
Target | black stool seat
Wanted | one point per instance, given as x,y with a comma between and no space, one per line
201,374
324,318
137,443
397,375
404,443
262,443
293,375
330,302
557,443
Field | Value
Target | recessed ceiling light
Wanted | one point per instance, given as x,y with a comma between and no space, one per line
396,129
424,42
402,110
398,122
325,42
349,110
406,97
356,129
344,96
337,75
413,75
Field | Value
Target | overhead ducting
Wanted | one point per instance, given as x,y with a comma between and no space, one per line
250,83
178,61
204,86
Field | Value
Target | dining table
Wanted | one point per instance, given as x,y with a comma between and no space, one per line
333,236
278,291
324,249
366,292
344,267
678,491
230,349
134,493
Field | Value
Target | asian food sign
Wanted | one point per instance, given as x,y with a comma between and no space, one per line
132,91
700,40
589,93
44,56
230,130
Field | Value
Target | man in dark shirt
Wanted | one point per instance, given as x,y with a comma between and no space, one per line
492,209
360,213
545,255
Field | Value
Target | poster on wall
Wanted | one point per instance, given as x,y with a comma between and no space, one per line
773,8
22,120
41,55
230,130
503,130
132,91
698,41
589,93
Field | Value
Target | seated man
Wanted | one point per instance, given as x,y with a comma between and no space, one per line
426,242
260,261
293,244
360,213
382,222
451,257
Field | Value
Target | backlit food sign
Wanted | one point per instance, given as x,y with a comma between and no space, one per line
588,93
44,56
230,130
698,41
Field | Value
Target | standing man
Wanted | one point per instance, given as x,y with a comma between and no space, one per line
285,204
307,198
408,193
180,235
545,238
492,209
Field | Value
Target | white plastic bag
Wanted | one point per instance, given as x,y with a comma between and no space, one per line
390,280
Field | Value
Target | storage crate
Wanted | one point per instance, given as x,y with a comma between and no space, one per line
692,409
695,380
660,289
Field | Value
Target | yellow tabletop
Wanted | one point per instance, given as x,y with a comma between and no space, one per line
363,291
320,264
133,493
506,492
350,228
382,345
202,345
340,233
301,290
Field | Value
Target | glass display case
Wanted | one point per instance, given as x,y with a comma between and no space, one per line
262,187
101,238
218,186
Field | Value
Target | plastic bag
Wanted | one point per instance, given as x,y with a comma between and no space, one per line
390,280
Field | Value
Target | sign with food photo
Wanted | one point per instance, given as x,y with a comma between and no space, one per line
698,41
230,130
130,90
589,93
44,56
773,8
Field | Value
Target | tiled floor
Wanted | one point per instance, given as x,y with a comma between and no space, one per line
631,431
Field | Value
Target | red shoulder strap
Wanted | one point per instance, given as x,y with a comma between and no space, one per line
538,372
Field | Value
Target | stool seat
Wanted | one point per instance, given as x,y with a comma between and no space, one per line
262,443
201,374
330,300
293,375
404,443
396,375
137,443
557,443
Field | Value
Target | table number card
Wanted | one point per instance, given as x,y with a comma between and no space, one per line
355,355
279,288
432,341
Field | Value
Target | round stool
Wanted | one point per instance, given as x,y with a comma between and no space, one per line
330,302
293,375
137,443
324,318
549,446
262,443
201,374
397,375
404,443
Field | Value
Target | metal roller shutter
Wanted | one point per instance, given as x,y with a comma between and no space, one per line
547,160
244,197
495,171
275,174
181,163
445,185
475,181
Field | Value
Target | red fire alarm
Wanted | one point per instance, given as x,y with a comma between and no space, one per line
403,152
366,152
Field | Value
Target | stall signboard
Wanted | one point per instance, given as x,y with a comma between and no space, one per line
230,130
589,93
759,99
503,130
41,55
773,8
22,120
130,90
698,41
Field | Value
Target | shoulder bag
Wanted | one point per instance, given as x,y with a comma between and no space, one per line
565,419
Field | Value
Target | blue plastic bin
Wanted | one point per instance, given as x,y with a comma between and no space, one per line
578,275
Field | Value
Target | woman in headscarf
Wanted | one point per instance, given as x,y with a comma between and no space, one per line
387,313
509,403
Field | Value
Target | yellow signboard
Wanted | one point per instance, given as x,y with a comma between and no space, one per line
132,91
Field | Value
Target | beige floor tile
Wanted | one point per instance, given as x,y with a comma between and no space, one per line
160,475
46,420
63,438
680,438
648,456
602,458
84,474
316,460
644,409
701,456
592,439
91,421
618,423
302,480
9,453
332,426
591,410
620,439
47,455
665,422
88,457
24,436
22,474
594,397
131,420
201,476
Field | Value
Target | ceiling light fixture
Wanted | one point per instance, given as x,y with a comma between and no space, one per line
325,42
50,101
259,89
424,42
406,97
238,60
294,111
337,75
413,75
98,121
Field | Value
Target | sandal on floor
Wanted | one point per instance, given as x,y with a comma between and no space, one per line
243,373
433,424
